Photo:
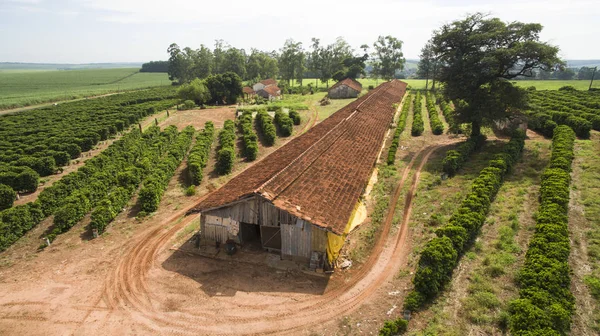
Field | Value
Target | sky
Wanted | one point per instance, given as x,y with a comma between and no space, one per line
98,31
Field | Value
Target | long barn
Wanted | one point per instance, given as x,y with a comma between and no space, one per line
300,200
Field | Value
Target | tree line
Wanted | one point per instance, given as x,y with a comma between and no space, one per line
334,61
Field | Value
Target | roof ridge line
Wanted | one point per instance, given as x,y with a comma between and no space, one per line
380,89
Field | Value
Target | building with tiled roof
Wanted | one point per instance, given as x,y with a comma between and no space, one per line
300,200
346,88
270,92
263,84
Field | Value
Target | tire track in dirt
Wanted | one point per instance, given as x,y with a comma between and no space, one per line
126,288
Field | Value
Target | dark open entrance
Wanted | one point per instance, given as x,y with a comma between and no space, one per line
271,237
250,235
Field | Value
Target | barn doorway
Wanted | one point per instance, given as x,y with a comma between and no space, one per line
250,236
271,237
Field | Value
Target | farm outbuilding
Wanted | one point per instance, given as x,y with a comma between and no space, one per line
263,84
346,88
300,200
270,92
248,92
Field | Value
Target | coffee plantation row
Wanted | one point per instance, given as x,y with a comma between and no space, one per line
199,155
579,110
546,303
417,126
399,129
106,181
440,255
39,142
437,127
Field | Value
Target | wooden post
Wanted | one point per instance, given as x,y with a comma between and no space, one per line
167,113
155,121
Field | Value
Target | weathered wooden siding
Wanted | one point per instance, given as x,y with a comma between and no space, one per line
245,211
342,91
296,239
269,214
319,239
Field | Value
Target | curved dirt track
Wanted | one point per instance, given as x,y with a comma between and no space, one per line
131,288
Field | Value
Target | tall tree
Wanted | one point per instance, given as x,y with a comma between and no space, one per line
340,51
292,61
261,65
388,57
234,60
177,63
583,73
426,63
479,56
315,62
203,62
219,56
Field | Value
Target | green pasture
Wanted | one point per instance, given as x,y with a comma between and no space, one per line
26,87
419,84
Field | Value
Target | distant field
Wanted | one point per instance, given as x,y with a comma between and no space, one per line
539,84
26,87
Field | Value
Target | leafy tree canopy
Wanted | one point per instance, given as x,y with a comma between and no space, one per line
388,57
478,58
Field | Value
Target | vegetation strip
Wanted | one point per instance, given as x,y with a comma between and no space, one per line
546,302
576,109
417,126
199,155
441,254
399,129
437,127
284,123
249,137
448,113
266,127
155,184
46,139
455,159
226,153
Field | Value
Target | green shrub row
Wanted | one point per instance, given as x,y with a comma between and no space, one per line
448,113
284,123
104,190
87,182
249,137
129,180
399,129
266,127
417,126
199,155
7,197
45,139
394,328
456,158
20,179
156,182
440,255
437,127
226,153
545,303
295,117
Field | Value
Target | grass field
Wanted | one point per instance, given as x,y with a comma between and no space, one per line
28,87
539,84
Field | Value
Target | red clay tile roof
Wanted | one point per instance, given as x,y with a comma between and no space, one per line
320,175
273,90
352,83
248,90
268,82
